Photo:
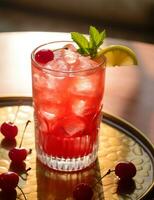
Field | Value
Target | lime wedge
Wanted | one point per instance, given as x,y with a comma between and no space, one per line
117,55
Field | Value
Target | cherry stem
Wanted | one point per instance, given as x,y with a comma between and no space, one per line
30,151
24,133
28,169
15,117
26,172
22,192
108,172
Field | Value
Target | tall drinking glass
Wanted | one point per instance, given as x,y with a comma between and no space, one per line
67,98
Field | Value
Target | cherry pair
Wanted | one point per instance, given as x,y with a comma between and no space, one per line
18,154
124,170
10,130
9,180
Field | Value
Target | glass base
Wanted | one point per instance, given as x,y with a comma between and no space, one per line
68,164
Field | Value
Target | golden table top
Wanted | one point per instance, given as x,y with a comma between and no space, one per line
118,141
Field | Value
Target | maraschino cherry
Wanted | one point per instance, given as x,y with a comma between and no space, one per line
43,56
18,154
9,129
124,170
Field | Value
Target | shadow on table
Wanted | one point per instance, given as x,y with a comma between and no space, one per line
60,185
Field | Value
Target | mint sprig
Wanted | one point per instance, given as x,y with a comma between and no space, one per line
89,47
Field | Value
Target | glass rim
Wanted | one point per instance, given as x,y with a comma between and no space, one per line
41,67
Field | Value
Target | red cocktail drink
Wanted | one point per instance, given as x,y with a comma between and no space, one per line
67,95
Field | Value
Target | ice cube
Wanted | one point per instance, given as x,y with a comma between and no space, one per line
36,77
39,80
57,65
84,63
78,106
70,47
52,111
83,86
49,115
43,126
73,126
50,82
54,92
70,57
48,98
62,65
58,54
89,85
41,122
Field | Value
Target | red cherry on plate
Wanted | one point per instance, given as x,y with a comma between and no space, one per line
83,192
9,130
8,181
44,56
125,170
18,155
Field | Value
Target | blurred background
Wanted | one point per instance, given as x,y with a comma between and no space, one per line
125,19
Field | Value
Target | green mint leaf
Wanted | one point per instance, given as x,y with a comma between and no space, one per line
96,39
89,47
94,36
102,37
81,41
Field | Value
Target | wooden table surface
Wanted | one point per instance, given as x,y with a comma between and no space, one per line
129,91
